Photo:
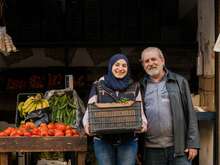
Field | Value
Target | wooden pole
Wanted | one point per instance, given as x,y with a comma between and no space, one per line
206,40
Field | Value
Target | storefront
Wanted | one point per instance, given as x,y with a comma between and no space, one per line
77,37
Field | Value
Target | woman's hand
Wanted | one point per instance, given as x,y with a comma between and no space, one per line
143,129
86,129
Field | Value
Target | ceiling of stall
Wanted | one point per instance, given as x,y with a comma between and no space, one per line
96,22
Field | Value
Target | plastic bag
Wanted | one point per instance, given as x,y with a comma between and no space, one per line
38,117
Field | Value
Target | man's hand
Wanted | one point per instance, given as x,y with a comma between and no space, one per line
191,152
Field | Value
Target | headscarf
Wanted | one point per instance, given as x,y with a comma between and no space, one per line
110,80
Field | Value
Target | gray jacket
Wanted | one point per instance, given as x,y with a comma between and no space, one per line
185,125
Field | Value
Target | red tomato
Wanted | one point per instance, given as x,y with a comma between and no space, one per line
60,126
35,131
51,126
43,128
8,130
69,132
44,133
58,133
20,132
43,125
27,134
3,134
68,127
51,132
13,133
30,125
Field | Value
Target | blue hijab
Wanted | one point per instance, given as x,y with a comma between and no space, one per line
110,80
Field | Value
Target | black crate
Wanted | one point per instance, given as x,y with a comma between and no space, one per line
114,119
21,97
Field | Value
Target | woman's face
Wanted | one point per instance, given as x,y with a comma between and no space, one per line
120,69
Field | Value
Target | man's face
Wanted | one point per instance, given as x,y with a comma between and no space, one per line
153,63
120,69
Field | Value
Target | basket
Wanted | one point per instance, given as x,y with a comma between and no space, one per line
21,97
114,118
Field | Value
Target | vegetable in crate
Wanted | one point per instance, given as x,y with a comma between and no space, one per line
33,103
63,108
66,106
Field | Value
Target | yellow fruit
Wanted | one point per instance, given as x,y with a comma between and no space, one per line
20,106
28,102
39,105
45,103
31,107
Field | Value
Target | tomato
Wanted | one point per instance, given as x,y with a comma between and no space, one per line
51,132
27,134
60,126
13,133
30,125
69,132
8,130
43,125
20,132
35,131
58,133
74,131
68,127
51,126
3,134
44,133
43,128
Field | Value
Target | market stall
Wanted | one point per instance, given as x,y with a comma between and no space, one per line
43,144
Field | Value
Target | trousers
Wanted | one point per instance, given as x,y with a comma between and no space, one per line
164,156
123,153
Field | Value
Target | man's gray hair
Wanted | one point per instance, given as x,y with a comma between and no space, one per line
151,49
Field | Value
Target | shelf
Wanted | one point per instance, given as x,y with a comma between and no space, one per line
203,116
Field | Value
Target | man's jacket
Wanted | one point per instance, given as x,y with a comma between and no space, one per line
185,125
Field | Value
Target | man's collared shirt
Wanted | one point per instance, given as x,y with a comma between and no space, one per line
158,112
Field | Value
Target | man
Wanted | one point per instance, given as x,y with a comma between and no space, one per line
172,137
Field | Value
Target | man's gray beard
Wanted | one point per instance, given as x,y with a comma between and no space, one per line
154,71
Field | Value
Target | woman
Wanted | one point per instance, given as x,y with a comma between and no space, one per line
115,149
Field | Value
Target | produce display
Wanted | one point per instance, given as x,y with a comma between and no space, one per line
63,108
29,129
53,114
33,103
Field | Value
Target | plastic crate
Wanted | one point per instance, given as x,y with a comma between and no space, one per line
21,97
114,119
